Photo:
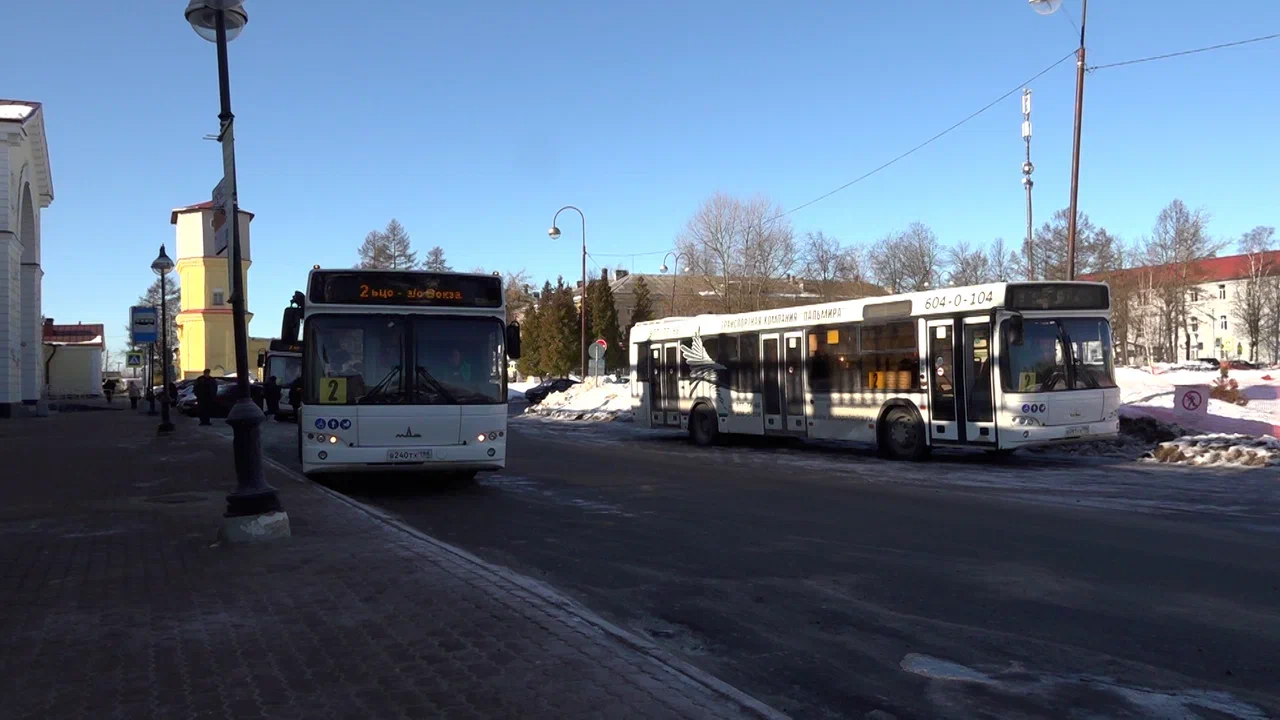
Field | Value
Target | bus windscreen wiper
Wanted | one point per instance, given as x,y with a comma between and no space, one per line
436,385
380,388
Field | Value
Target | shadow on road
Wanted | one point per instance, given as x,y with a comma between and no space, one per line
387,486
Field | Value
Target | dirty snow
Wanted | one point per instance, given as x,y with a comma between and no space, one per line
1219,449
591,400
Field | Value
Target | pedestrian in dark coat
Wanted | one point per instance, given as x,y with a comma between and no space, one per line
206,391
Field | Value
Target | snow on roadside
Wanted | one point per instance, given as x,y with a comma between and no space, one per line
1141,388
588,401
516,390
1219,449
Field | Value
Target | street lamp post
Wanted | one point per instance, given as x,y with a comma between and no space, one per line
1048,7
162,265
221,21
554,233
675,274
151,380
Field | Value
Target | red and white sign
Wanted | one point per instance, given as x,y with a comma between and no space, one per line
602,343
1189,400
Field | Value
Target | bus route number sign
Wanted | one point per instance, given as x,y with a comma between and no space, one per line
959,300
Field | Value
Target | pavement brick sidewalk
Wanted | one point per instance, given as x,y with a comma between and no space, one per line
117,602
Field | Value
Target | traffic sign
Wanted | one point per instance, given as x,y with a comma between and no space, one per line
221,229
602,343
133,359
143,324
596,350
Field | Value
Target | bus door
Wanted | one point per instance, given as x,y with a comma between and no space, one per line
656,416
944,388
793,380
771,366
978,371
671,383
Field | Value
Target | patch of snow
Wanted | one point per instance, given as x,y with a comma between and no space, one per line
1219,449
603,401
516,390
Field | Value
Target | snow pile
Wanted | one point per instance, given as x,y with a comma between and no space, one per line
1138,435
1219,449
1142,390
588,401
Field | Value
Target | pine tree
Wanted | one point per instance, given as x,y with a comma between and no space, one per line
602,322
533,336
561,332
398,247
643,308
435,261
173,305
373,252
388,249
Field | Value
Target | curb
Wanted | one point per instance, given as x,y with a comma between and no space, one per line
668,662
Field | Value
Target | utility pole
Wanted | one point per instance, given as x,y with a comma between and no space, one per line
1027,182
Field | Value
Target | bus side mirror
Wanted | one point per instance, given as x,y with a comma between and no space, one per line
262,358
1015,330
289,325
513,341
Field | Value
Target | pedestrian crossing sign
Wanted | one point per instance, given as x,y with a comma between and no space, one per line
133,359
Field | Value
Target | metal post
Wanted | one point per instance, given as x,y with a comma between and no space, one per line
675,273
166,426
252,496
1027,182
583,313
1075,149
151,379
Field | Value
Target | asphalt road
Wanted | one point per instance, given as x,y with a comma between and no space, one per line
830,583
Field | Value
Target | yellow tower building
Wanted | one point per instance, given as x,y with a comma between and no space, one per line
205,338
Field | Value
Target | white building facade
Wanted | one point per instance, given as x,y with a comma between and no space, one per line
26,188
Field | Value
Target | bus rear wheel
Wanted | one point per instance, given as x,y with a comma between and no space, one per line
902,435
703,426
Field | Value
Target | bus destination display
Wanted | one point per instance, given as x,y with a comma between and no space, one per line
1058,297
405,288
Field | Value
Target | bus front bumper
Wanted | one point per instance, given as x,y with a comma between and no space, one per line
426,458
1016,437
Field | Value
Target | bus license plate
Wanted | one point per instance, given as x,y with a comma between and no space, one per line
1077,431
408,455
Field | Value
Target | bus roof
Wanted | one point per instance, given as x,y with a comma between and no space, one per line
1031,295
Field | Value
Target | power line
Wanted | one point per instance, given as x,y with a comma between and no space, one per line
1184,52
630,255
930,141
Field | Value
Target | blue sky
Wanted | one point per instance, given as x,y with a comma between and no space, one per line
473,122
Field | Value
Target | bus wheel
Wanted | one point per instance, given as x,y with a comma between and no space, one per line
702,426
902,435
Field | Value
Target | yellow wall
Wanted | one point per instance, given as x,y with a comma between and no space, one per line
205,330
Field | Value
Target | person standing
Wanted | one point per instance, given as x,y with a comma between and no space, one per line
206,391
271,394
135,394
108,389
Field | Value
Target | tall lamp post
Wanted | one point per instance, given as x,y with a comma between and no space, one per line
162,265
554,233
1048,7
221,21
675,274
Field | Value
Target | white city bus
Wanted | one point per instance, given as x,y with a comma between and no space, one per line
998,366
283,361
403,371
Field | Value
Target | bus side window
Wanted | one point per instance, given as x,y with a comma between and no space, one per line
749,364
642,362
726,357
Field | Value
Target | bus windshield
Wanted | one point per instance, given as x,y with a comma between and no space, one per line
285,368
372,359
1055,355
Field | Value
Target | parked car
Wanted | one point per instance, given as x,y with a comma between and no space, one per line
540,392
222,401
1209,361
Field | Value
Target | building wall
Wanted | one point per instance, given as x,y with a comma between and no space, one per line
205,329
73,371
1203,324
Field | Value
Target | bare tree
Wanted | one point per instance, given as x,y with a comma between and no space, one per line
1004,262
1178,239
1251,303
827,263
1259,239
967,266
737,250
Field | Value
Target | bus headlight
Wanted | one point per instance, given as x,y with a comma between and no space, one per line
1025,421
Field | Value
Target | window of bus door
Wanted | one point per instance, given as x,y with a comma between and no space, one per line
671,383
655,379
977,372
770,361
793,380
942,380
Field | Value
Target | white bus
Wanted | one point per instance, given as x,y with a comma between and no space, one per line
403,371
282,360
998,366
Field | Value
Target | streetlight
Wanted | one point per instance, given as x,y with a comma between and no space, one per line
1048,7
221,21
676,263
161,266
554,234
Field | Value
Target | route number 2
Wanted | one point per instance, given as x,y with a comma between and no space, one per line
333,390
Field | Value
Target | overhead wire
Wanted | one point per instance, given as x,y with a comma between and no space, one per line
1181,53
